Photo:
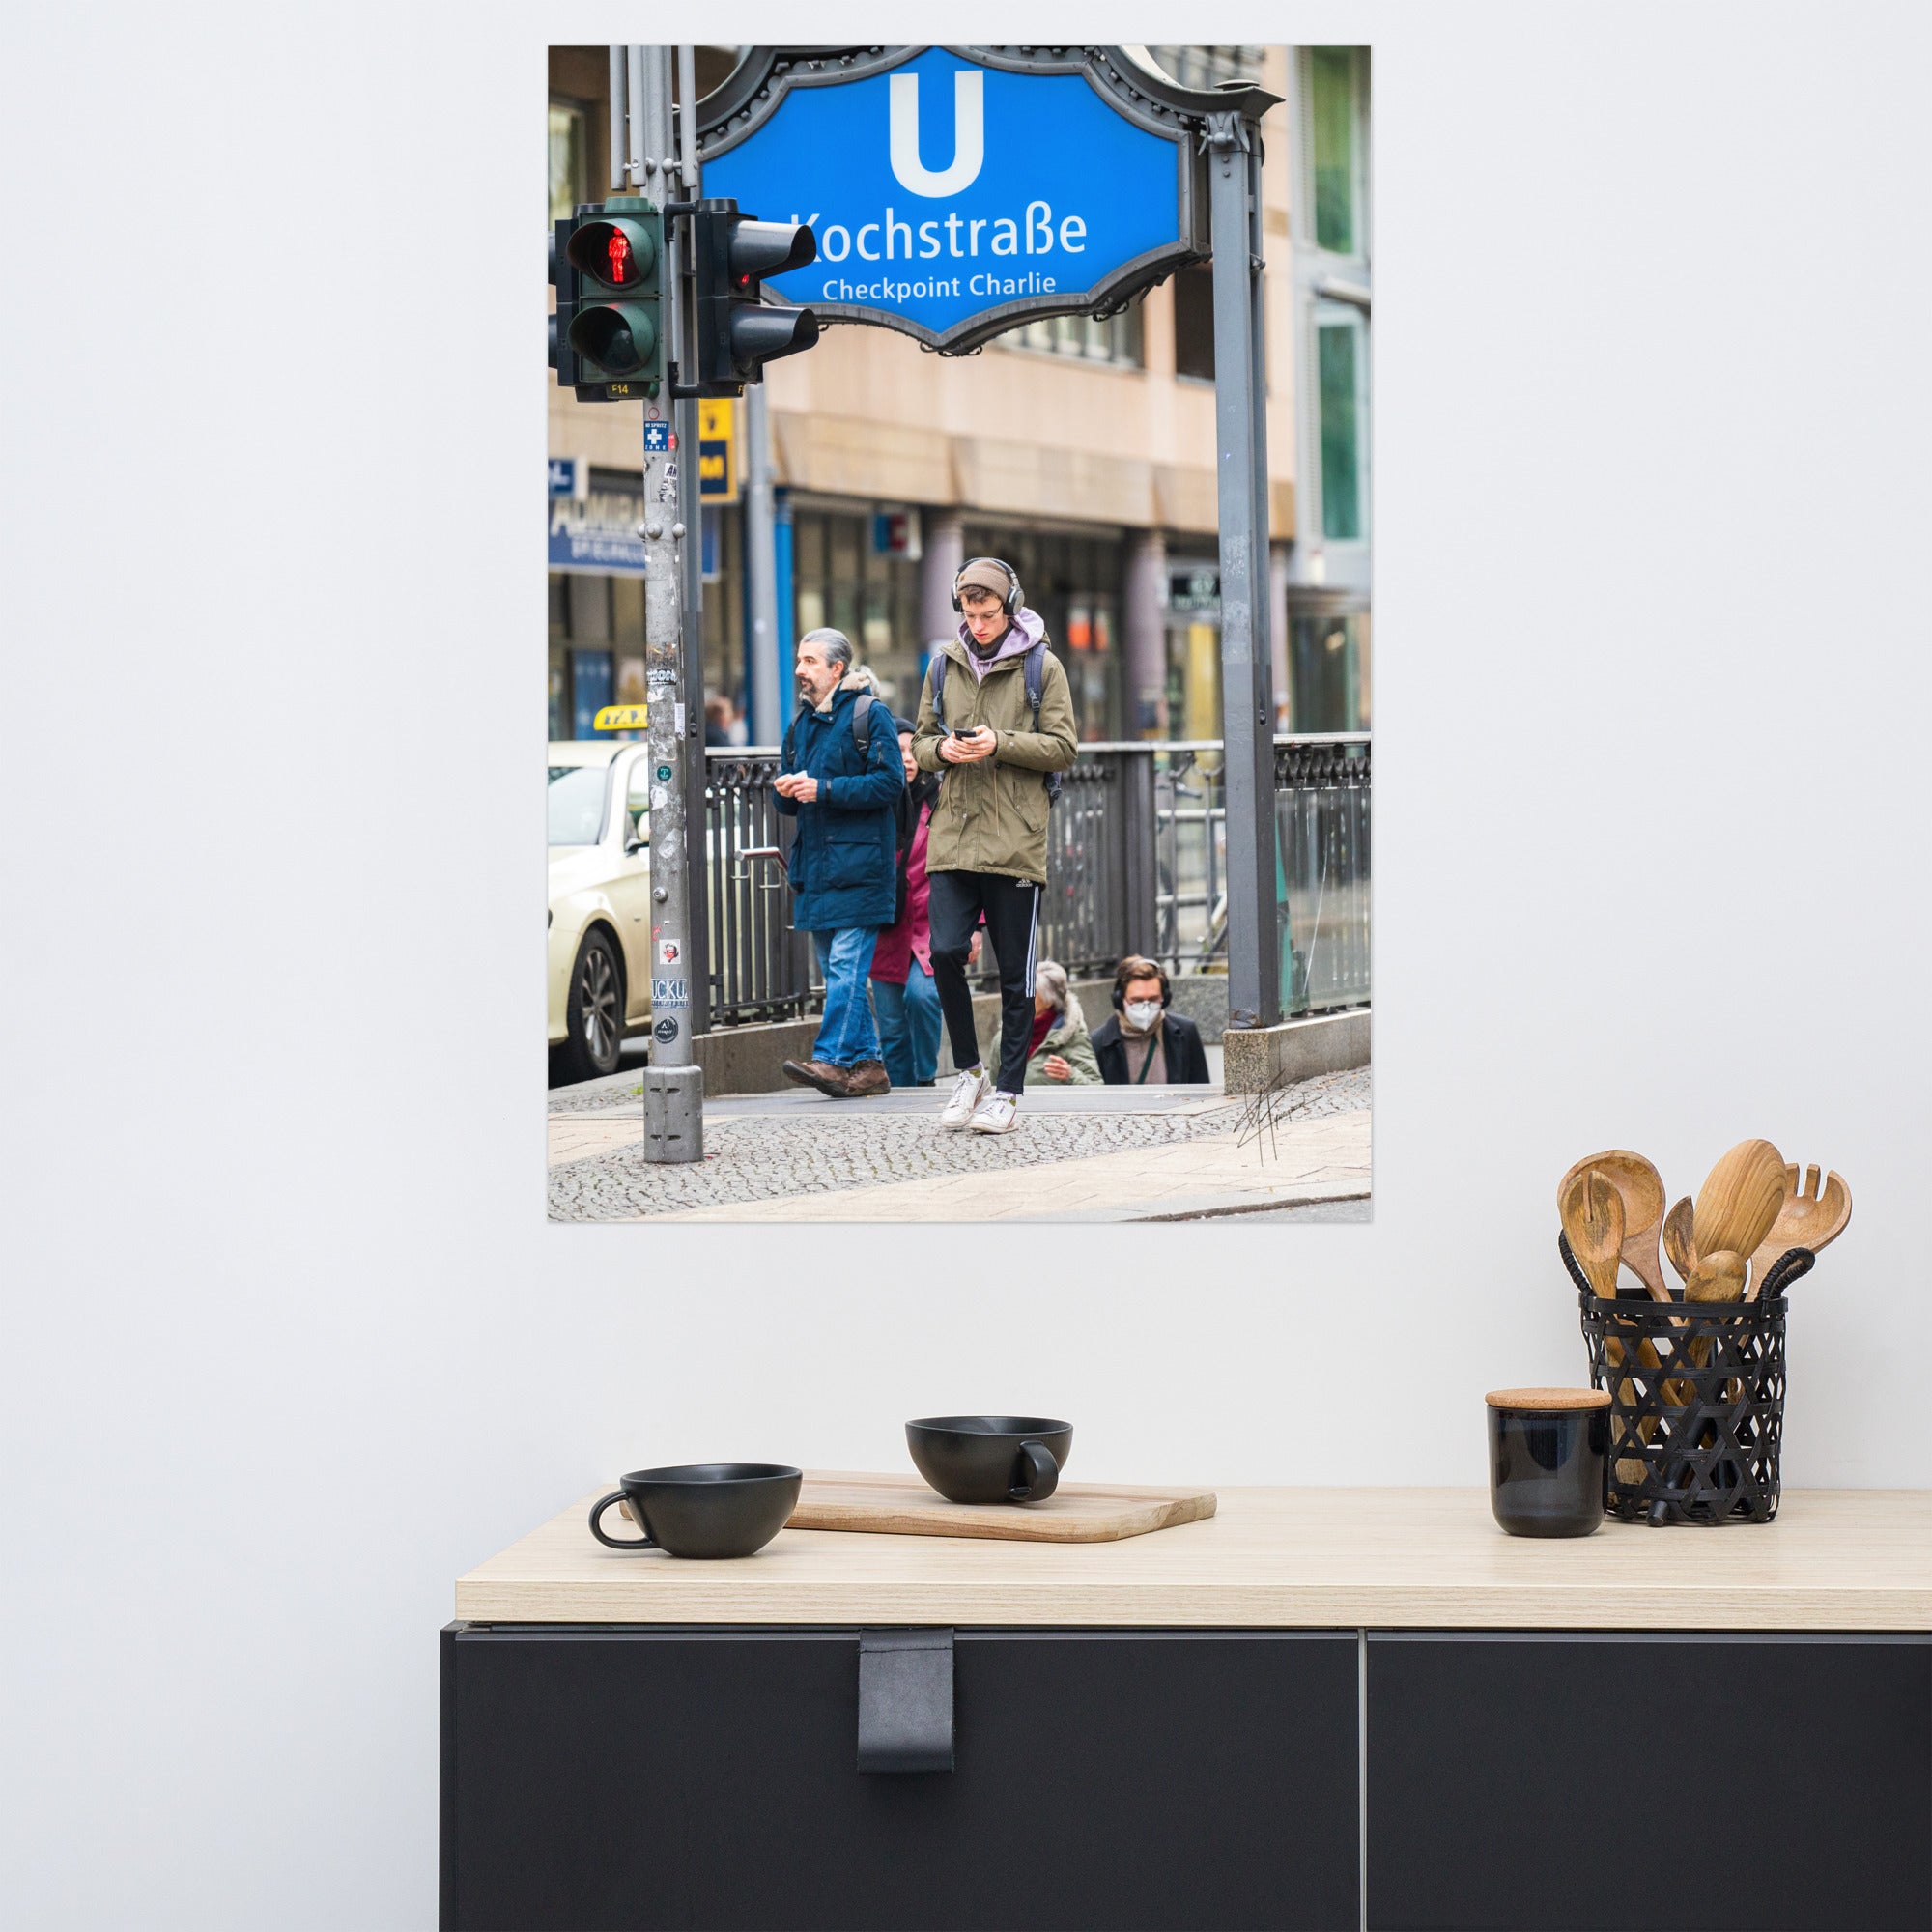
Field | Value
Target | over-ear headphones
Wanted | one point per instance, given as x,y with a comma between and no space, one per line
1133,967
1014,601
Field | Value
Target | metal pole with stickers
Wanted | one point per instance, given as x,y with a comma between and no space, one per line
674,1081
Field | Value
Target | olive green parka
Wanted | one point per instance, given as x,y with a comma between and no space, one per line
990,816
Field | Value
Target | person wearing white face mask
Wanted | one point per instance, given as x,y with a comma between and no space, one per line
1145,1044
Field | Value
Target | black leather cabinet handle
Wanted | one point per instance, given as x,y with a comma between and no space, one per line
905,1700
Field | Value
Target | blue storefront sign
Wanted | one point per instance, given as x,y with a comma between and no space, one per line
598,533
953,191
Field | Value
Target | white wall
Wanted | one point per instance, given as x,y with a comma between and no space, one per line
289,1342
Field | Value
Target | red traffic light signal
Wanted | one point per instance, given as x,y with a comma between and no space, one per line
617,329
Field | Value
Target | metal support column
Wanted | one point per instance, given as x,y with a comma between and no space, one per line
619,118
673,1083
1140,861
1247,695
764,696
681,152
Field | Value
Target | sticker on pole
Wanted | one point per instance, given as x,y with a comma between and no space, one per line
621,718
666,1031
667,952
657,437
669,993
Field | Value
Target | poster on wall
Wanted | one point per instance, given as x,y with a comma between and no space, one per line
1043,889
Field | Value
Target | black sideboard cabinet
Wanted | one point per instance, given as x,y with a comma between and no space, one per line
598,1777
605,1777
1562,1781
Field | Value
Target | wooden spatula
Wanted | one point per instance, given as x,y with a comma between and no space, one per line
1642,1188
1807,1217
1592,1211
1593,1221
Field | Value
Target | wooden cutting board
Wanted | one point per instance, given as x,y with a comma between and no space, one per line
1075,1513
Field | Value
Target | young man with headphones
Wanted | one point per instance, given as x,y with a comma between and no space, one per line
1144,1045
996,720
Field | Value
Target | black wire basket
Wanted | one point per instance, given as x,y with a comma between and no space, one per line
1696,1400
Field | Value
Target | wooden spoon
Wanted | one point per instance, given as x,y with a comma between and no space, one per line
1809,1217
1642,1187
1680,1242
1592,1211
1739,1200
1716,1277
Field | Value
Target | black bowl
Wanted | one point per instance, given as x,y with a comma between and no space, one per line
703,1509
990,1459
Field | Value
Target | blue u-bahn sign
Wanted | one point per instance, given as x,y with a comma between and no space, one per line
955,191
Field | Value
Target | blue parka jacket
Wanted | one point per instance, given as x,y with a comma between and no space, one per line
844,861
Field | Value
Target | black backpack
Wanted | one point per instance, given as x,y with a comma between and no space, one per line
1033,668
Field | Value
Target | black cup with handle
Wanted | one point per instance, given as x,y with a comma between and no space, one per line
702,1508
990,1459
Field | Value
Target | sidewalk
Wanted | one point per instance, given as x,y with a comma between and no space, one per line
1088,1153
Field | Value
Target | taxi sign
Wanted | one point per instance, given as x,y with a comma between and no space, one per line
717,450
621,718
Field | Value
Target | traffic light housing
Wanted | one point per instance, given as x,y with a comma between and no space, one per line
563,279
737,332
608,265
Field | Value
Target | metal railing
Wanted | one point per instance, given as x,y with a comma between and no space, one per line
759,967
1136,863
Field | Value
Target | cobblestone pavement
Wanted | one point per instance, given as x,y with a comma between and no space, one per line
598,1096
769,1155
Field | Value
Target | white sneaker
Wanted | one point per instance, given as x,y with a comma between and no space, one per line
967,1090
1000,1115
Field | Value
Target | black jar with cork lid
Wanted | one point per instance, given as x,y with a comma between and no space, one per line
1549,1456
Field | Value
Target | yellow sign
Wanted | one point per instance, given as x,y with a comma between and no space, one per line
621,718
717,450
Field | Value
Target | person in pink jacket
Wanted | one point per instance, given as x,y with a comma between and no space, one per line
904,998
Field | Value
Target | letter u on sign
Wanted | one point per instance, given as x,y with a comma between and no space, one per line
969,135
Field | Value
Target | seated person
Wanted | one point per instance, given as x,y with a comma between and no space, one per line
1144,1045
1061,1052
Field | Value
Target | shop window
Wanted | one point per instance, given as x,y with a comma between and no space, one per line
592,686
1194,322
566,160
1342,380
1334,112
1327,662
590,609
627,613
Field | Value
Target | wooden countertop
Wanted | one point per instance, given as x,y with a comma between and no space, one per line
1834,1559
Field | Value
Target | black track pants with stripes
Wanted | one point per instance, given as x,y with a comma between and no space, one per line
1012,929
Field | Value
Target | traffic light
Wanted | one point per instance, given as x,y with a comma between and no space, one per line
563,279
613,256
737,332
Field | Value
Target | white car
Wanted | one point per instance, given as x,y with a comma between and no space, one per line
600,902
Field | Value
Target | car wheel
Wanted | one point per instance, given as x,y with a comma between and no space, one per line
596,1010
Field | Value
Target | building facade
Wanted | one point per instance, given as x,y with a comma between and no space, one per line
1082,451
